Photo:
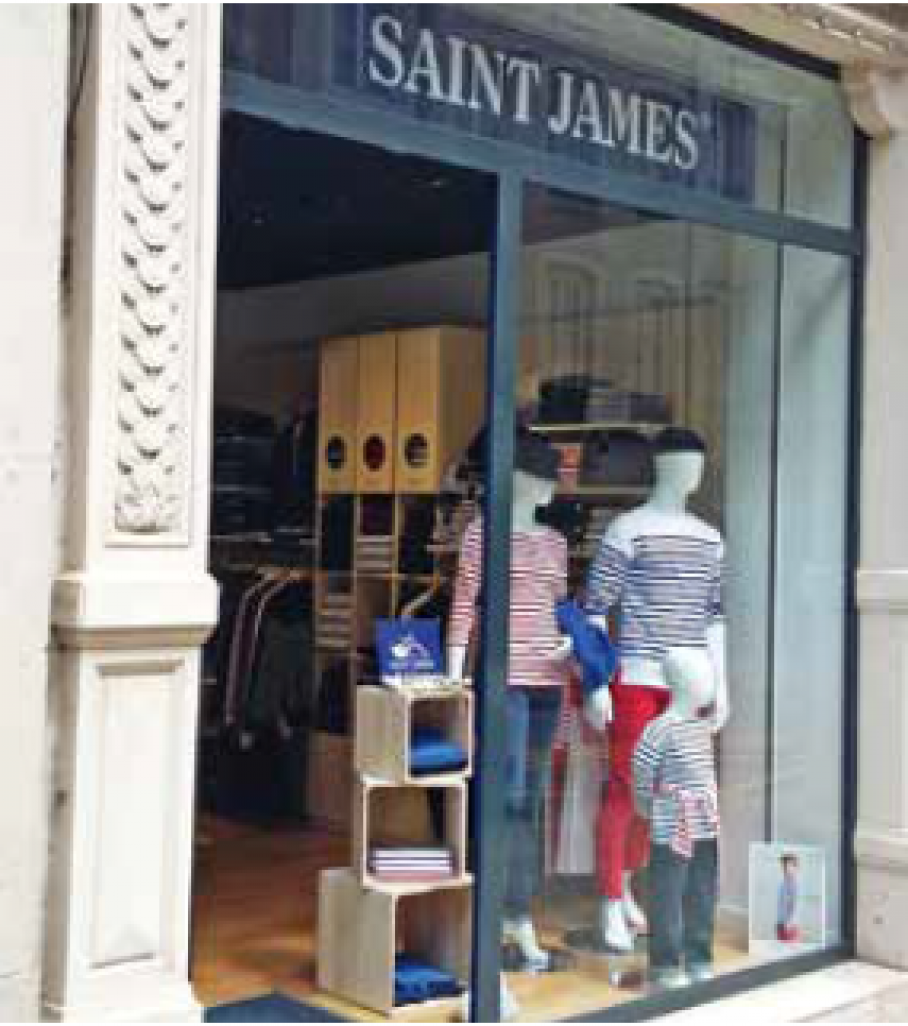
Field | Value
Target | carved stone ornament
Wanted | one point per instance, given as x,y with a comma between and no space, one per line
869,27
152,274
878,99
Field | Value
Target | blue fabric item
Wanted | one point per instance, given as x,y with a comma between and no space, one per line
593,648
272,1007
432,752
416,981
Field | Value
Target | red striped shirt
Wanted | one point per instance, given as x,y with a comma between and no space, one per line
538,580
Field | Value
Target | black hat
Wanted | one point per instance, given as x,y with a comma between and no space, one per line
675,439
535,456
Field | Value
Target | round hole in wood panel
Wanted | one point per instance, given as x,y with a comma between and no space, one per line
335,452
374,452
416,451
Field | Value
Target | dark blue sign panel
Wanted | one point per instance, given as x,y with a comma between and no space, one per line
441,65
408,647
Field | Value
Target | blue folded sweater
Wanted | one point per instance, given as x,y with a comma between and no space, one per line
593,648
432,752
416,981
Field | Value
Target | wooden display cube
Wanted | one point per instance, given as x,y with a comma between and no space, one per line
386,717
398,815
360,930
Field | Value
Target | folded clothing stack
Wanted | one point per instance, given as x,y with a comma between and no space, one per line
335,620
375,554
411,865
416,981
432,752
605,402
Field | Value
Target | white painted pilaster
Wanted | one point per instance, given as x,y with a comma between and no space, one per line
134,601
880,104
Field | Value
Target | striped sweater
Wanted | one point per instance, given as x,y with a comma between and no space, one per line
675,781
538,580
665,572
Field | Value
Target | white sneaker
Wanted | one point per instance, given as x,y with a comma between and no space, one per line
522,933
667,979
633,913
701,973
613,926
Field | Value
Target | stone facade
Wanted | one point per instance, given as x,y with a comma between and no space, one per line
33,41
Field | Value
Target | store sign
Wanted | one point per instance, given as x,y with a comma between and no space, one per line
439,64
452,70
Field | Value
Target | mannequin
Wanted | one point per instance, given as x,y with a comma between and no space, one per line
663,566
675,788
537,670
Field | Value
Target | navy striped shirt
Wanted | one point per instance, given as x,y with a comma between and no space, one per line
675,779
665,572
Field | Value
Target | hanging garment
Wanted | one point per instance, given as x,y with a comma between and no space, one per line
576,807
293,472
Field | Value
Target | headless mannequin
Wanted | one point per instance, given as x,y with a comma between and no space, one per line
530,493
677,475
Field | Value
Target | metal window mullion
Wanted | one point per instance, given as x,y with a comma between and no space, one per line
494,607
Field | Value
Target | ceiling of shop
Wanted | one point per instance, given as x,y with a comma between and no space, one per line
295,206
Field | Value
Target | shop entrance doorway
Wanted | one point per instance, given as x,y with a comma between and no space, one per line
348,276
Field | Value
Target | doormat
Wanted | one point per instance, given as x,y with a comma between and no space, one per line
272,1007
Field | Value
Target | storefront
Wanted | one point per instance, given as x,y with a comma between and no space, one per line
661,226
591,278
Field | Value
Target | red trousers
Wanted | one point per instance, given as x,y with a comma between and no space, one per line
622,837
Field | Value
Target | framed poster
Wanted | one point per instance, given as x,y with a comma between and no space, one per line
787,899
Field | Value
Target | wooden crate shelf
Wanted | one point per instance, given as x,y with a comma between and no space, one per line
386,718
360,930
387,814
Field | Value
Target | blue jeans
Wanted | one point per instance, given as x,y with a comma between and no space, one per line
531,718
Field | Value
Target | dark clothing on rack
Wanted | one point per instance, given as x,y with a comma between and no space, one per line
337,531
254,753
294,473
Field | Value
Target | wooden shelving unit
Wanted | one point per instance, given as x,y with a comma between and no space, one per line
364,922
648,428
396,409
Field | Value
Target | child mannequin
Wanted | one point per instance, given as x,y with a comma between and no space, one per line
675,789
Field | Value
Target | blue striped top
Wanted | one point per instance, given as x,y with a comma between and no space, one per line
664,570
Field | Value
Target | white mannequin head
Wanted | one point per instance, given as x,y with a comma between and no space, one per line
679,472
689,674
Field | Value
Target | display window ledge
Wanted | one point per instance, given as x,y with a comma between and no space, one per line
850,991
